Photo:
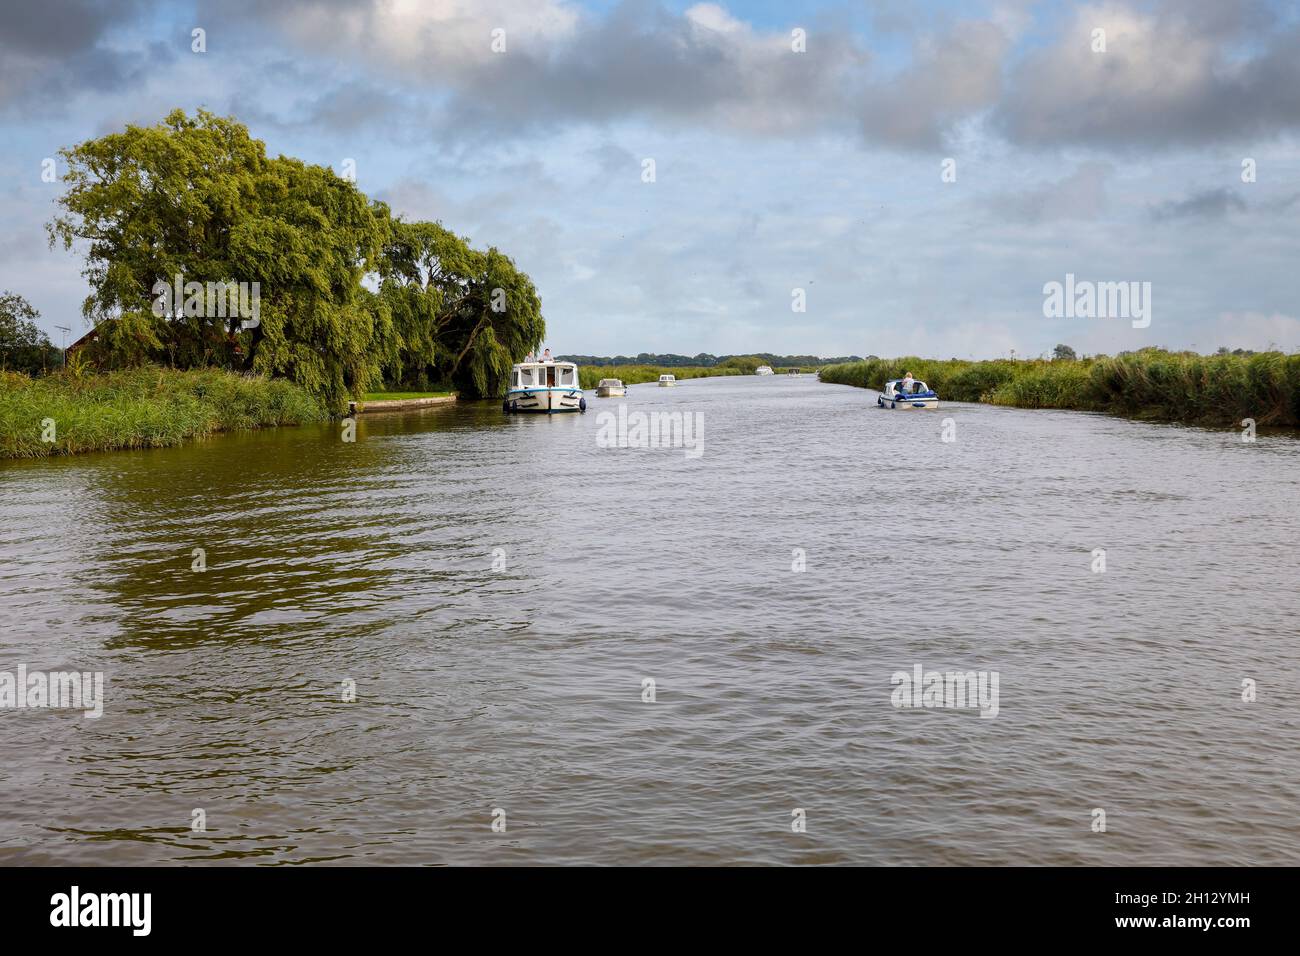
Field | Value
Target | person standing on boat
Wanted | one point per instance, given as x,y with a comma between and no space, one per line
546,356
906,384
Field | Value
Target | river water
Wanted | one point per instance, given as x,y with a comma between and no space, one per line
500,589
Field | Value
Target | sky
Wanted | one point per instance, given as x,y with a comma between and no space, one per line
918,171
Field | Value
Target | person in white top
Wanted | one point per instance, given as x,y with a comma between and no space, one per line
906,384
546,356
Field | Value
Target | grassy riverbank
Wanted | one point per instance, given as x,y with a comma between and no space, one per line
402,396
588,376
148,407
1153,384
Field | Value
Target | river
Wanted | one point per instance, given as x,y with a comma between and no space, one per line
500,590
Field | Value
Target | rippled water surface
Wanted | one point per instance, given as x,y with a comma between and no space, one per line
520,688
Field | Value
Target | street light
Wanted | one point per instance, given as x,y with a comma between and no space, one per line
65,330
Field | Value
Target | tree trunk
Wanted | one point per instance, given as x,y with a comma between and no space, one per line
468,344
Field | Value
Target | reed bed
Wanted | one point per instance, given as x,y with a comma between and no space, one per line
1152,383
148,407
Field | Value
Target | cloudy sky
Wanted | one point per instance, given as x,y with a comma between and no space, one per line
775,168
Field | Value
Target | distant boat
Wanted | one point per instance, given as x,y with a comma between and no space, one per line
915,394
546,387
667,381
764,370
610,388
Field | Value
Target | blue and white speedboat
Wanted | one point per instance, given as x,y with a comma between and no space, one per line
547,387
914,394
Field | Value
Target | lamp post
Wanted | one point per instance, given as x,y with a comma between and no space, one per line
65,330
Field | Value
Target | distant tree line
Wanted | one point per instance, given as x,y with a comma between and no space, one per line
349,297
1066,353
706,360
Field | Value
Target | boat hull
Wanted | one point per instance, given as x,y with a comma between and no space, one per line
896,402
667,384
546,401
610,391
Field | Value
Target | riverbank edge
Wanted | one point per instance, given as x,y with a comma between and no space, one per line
1149,386
399,404
72,413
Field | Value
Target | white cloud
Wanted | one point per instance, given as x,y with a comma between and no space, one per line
1170,74
428,36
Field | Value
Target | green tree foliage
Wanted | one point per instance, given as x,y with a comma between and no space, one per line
199,198
457,315
23,346
1064,352
152,203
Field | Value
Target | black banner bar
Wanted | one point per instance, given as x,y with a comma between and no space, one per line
333,905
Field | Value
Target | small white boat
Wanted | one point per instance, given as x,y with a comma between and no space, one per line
764,370
667,381
610,388
546,387
916,394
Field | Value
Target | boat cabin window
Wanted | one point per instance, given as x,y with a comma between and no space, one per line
897,388
523,378
566,376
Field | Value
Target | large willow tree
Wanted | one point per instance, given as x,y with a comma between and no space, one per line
457,315
197,197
